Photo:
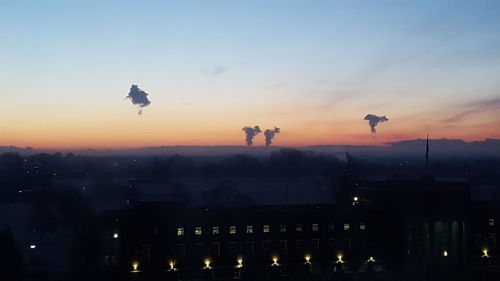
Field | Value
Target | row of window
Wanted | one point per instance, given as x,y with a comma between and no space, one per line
249,229
248,248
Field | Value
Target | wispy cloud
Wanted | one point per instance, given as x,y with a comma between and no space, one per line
473,108
214,71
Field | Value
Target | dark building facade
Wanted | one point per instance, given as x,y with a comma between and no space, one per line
376,230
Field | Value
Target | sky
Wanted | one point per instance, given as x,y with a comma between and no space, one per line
312,68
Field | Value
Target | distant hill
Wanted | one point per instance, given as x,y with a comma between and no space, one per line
416,147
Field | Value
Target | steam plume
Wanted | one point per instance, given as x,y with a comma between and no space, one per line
138,97
269,134
373,121
251,133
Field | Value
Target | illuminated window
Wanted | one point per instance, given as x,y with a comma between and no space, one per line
362,226
215,230
298,227
180,231
315,227
347,226
232,229
266,228
249,229
197,230
491,222
282,228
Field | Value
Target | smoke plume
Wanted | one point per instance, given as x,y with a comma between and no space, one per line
138,97
251,133
373,121
269,134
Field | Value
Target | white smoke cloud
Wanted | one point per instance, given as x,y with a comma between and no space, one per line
373,121
138,97
269,134
251,133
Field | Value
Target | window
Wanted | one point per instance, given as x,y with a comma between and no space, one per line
299,248
215,249
332,245
215,230
315,246
315,227
331,227
267,246
180,231
298,227
347,226
491,222
180,250
266,228
249,229
232,248
248,248
348,244
197,230
232,229
362,226
282,228
282,247
492,238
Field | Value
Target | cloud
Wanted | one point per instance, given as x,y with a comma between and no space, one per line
472,108
214,71
138,97
269,134
251,133
373,121
276,86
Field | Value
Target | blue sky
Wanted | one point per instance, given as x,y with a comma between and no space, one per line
315,66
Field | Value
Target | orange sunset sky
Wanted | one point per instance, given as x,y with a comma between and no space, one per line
211,67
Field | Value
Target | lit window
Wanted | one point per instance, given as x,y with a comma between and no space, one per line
282,228
180,231
215,230
298,227
249,229
232,229
266,228
197,230
315,227
362,226
331,227
491,222
347,226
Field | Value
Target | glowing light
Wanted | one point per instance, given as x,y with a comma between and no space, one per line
275,261
172,265
339,259
115,235
207,264
485,253
371,259
240,262
445,253
355,198
135,266
308,259
33,246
